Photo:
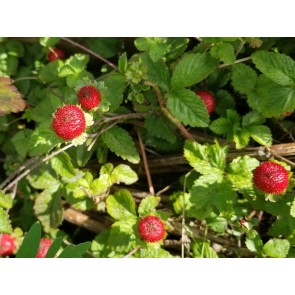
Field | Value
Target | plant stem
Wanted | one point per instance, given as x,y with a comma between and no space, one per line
126,116
235,62
90,52
132,252
25,78
9,186
145,163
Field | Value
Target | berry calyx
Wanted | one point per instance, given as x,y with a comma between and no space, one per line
55,54
7,244
151,229
69,122
208,100
89,97
43,247
271,178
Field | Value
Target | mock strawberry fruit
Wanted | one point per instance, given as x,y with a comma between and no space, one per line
271,178
208,100
69,122
55,54
89,97
7,244
151,229
43,247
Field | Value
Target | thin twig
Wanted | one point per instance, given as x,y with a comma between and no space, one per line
90,52
35,166
132,252
126,116
145,163
235,62
24,78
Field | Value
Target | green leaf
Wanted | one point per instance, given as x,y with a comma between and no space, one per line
261,134
43,178
155,46
6,200
277,248
292,209
11,101
158,126
148,205
253,118
152,252
225,52
221,126
31,241
123,62
123,174
55,246
121,205
75,251
74,65
50,72
241,137
157,72
100,245
15,48
253,241
191,69
202,249
278,67
188,108
5,223
121,143
18,141
270,98
49,209
218,79
48,41
206,159
218,224
105,46
243,78
62,165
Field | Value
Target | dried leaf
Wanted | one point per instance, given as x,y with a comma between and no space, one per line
11,101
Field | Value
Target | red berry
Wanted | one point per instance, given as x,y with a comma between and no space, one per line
208,99
7,244
89,97
271,177
55,54
151,229
43,247
69,122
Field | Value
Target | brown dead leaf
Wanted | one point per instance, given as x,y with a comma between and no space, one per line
11,100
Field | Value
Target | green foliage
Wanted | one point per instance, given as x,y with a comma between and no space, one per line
5,223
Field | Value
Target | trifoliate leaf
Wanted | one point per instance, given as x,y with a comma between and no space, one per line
147,205
191,69
121,205
270,98
123,174
121,143
188,108
11,101
5,223
243,78
277,248
278,67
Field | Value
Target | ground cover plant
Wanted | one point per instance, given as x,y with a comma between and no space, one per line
147,147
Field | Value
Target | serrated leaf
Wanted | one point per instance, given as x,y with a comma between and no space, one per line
74,65
123,174
43,139
157,72
158,126
147,205
243,78
253,241
277,248
191,69
49,210
261,134
224,51
18,141
152,252
121,205
75,251
271,99
11,101
62,165
278,67
48,41
188,108
241,137
202,249
5,200
55,246
30,243
253,118
156,46
206,159
221,126
49,73
43,178
115,84
5,223
100,246
217,224
218,79
121,143
75,79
